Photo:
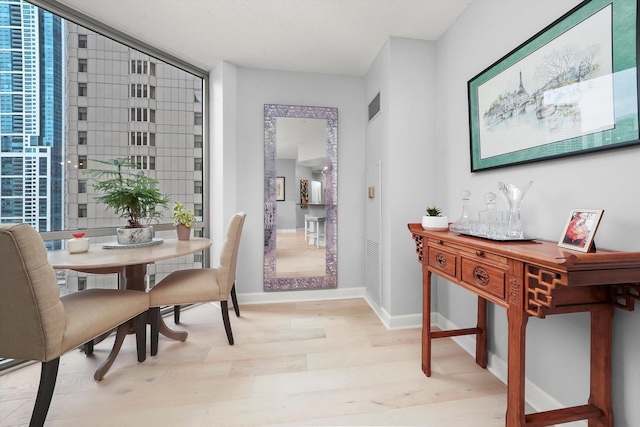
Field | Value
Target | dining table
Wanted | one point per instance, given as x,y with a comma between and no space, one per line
130,263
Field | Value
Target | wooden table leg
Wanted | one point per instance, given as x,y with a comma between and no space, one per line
170,333
426,320
600,396
121,333
481,335
516,367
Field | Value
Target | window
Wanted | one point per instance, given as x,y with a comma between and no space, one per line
198,232
45,122
82,283
197,164
197,187
197,118
197,141
197,209
197,258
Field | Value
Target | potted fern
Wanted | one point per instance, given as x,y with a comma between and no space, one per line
434,220
130,194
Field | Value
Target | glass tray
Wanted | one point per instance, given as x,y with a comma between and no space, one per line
499,239
115,245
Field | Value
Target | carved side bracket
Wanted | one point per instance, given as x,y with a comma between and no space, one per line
540,284
419,247
624,296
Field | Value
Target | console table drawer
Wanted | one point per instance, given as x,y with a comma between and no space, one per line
483,276
442,260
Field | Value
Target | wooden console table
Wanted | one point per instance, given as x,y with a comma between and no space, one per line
534,278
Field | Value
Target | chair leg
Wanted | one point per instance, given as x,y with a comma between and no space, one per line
88,348
48,376
225,319
234,299
140,328
176,314
154,320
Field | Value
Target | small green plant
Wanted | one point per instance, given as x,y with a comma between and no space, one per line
433,211
131,194
182,215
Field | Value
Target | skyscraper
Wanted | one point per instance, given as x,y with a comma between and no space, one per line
31,122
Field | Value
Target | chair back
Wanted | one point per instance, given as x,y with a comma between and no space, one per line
229,254
32,317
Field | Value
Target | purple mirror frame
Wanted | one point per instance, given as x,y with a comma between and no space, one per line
330,279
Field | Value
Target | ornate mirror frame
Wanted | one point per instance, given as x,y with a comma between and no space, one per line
330,279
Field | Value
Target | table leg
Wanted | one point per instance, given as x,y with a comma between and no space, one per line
170,333
481,335
600,396
516,366
426,320
121,333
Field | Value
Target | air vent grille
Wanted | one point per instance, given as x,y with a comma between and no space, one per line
374,106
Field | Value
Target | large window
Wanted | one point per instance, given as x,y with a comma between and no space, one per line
100,99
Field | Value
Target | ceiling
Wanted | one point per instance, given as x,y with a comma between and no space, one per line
322,36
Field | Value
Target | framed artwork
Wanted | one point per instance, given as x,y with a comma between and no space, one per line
580,229
570,89
280,189
304,193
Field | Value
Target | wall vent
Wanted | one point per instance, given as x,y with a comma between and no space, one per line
374,283
374,106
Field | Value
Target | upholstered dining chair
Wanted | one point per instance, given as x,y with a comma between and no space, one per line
198,285
37,324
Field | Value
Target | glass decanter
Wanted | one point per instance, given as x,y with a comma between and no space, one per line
488,216
514,196
463,225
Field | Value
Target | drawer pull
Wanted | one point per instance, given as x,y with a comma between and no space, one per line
480,253
441,260
481,276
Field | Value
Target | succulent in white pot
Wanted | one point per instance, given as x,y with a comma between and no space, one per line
434,220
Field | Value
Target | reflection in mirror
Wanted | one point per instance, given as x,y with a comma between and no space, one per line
300,237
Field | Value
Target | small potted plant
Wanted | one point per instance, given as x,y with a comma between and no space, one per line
183,219
434,220
132,195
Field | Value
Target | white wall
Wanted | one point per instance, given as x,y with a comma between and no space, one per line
558,358
402,137
258,87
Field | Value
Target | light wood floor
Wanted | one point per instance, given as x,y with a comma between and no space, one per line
295,258
312,363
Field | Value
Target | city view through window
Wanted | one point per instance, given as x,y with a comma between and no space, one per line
69,96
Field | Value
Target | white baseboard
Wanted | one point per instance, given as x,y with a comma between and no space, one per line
299,296
408,321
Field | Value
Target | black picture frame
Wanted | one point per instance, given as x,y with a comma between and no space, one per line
570,89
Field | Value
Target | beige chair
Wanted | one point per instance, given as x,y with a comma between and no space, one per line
201,284
37,324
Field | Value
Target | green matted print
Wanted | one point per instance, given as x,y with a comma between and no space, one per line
570,89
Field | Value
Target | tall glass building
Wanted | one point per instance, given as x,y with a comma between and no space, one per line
31,109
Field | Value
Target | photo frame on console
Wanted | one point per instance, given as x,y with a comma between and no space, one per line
580,229
570,89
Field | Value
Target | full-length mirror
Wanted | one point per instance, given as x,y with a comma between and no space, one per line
300,222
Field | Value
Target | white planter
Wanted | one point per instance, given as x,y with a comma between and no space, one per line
435,223
78,245
132,236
